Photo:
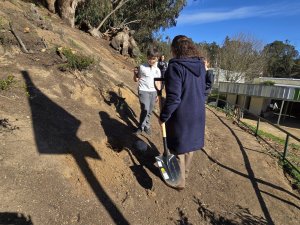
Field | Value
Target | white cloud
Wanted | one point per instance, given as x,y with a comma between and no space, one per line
239,13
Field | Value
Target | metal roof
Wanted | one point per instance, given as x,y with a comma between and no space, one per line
288,93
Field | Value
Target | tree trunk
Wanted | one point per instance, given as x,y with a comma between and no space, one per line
50,4
67,11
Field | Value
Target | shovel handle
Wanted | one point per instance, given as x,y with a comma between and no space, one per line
164,133
158,86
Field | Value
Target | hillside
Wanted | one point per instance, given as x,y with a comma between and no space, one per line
67,151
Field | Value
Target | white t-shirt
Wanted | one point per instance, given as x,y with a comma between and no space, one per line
147,74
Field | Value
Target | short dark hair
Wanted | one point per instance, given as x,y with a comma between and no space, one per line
184,47
152,52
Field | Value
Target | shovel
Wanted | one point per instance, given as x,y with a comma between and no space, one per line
167,163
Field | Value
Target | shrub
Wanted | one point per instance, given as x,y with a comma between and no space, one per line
74,61
268,83
6,83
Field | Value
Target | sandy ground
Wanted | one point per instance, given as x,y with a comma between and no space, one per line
67,151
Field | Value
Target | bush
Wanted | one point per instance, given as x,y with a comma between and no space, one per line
6,83
268,83
74,61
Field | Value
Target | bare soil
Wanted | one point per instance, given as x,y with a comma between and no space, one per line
67,151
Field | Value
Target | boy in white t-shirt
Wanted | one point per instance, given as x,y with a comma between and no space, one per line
145,75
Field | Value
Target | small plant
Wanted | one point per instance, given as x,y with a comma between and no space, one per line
1,22
26,89
292,172
75,61
268,83
6,83
74,43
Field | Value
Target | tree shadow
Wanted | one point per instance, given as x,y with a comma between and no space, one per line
254,181
9,218
55,133
242,216
125,112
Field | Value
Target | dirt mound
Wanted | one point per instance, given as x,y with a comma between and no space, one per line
68,154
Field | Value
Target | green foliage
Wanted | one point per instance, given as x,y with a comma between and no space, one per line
281,58
145,17
296,69
141,58
6,83
1,22
75,62
154,15
268,83
163,45
92,12
3,39
74,43
26,89
211,51
292,172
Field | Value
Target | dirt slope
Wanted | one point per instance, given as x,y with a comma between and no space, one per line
67,155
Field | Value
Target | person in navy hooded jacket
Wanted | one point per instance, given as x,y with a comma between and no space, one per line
184,108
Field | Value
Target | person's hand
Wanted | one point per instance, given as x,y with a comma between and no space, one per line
206,64
156,99
136,74
136,70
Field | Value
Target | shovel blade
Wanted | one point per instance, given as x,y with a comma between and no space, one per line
169,169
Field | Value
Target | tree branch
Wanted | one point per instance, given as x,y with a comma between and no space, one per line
121,3
23,47
133,21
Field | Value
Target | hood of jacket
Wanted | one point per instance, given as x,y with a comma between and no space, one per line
194,65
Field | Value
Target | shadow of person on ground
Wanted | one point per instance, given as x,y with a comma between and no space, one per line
119,138
55,133
125,112
9,218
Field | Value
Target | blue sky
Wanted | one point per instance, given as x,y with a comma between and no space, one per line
265,20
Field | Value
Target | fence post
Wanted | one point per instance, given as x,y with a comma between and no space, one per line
285,146
257,127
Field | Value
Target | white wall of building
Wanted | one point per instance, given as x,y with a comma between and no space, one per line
220,76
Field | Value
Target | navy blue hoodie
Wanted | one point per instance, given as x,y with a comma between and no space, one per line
184,108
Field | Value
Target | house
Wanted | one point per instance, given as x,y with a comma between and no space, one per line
257,98
223,75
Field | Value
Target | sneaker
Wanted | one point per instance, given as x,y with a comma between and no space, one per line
138,131
147,130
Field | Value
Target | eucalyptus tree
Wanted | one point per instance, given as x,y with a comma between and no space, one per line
281,59
143,16
65,8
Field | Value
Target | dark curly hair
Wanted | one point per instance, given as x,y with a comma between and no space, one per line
184,47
